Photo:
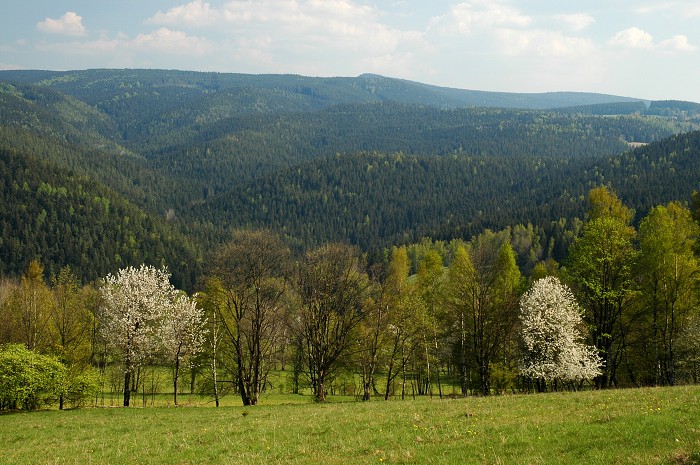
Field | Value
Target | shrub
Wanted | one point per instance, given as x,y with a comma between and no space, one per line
29,380
81,387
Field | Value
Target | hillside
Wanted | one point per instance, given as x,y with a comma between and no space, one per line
97,87
369,160
181,144
376,199
65,219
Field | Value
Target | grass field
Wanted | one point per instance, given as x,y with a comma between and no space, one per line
633,426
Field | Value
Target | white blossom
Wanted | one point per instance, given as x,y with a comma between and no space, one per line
134,303
551,334
182,330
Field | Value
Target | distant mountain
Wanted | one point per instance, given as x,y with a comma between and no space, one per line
282,92
106,168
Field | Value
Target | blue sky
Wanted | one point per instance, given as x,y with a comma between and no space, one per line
644,48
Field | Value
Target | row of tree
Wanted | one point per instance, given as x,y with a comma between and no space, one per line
467,317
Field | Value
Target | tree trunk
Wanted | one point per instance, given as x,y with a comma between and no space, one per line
214,379
176,375
127,387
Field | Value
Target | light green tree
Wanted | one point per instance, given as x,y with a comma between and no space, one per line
668,277
32,305
431,280
71,323
482,296
461,300
29,380
406,320
600,265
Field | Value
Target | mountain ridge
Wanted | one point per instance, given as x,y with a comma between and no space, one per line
368,86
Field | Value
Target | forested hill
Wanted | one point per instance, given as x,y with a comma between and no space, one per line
182,158
64,219
279,92
378,199
168,142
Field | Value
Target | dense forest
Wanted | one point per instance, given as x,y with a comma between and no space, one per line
369,160
417,216
67,219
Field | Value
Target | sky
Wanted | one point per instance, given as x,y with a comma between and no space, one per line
646,49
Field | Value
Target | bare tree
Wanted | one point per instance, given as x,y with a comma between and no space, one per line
252,277
332,286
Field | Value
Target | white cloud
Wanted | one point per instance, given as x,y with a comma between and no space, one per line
176,42
636,38
163,41
576,22
633,37
298,25
196,13
465,18
70,24
543,43
678,43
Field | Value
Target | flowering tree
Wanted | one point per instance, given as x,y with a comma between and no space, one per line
182,333
551,322
135,301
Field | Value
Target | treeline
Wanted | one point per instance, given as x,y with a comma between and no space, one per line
687,111
458,321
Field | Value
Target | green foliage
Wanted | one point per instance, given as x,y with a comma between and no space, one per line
81,387
627,427
392,161
29,380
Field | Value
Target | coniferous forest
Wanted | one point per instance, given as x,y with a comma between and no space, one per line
411,220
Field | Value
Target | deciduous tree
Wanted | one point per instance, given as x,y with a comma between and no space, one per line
182,333
551,332
600,263
134,303
332,286
252,273
668,276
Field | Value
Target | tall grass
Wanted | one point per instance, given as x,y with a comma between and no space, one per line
634,426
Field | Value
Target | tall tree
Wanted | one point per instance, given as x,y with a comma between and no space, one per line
460,300
253,272
492,303
71,322
134,301
332,286
600,263
668,274
406,319
32,304
431,281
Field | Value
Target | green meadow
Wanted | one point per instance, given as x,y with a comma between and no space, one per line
630,426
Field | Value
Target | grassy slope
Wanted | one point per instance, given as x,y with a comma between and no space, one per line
644,426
